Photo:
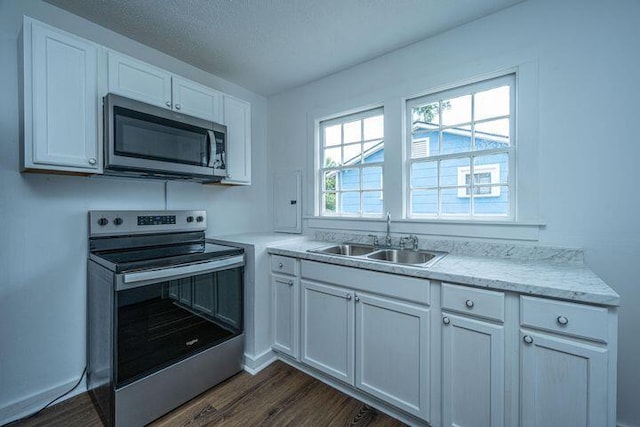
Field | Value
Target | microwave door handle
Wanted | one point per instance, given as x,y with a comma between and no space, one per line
212,148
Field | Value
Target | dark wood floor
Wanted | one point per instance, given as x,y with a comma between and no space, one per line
277,396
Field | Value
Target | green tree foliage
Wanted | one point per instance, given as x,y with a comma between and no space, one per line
427,113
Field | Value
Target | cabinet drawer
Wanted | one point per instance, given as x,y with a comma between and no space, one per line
283,264
472,301
579,320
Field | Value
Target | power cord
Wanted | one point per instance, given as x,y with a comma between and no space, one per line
26,417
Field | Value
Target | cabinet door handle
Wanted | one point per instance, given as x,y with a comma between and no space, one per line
446,320
290,282
357,298
177,106
92,161
168,104
280,265
469,303
562,320
527,339
348,297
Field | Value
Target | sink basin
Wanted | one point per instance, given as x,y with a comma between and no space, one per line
348,249
405,256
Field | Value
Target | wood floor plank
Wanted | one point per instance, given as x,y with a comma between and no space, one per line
279,395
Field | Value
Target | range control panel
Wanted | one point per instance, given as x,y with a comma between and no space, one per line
113,223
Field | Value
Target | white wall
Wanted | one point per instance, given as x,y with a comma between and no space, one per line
587,60
43,221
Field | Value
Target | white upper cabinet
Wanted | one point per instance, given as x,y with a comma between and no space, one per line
196,100
143,82
138,80
60,101
237,118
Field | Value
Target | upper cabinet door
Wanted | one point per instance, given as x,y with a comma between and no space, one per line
197,100
61,101
138,80
237,117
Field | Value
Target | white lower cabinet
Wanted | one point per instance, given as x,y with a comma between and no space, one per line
377,344
466,357
563,382
567,364
472,372
285,298
327,335
392,352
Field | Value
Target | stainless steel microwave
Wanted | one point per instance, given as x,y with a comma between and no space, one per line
148,141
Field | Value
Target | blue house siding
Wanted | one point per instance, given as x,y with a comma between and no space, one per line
424,174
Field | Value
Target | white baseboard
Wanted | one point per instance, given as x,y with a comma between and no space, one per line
30,404
255,364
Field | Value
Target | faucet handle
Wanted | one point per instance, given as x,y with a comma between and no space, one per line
374,239
414,241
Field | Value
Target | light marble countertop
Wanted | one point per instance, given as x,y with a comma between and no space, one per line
570,281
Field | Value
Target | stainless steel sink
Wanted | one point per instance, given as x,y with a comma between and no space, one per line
402,256
347,249
419,258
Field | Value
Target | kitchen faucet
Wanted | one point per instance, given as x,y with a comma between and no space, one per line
387,238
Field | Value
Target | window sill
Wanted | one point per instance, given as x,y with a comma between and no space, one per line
463,228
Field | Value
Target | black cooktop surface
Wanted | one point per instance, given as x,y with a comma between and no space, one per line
163,256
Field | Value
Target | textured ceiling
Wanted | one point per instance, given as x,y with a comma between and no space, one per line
269,46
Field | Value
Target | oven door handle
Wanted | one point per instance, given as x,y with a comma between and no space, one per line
184,270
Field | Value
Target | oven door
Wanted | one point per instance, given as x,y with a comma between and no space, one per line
164,316
145,138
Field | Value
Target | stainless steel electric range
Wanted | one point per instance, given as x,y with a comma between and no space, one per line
165,312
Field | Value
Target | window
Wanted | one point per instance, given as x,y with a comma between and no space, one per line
461,151
351,159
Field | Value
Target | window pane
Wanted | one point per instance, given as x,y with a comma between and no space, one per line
452,171
329,202
496,164
349,179
374,128
456,140
329,181
352,131
456,111
372,178
373,151
424,202
372,202
349,202
493,134
426,114
332,135
424,174
495,205
332,157
492,103
452,204
352,154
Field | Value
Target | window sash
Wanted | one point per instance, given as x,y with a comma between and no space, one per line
470,154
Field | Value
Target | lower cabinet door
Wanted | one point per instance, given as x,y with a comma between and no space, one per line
392,352
472,372
563,382
285,314
327,329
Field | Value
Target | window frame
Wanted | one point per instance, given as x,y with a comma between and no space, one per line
341,119
452,92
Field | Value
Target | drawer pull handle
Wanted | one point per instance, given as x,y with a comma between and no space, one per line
348,297
562,320
280,265
469,303
527,339
446,320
